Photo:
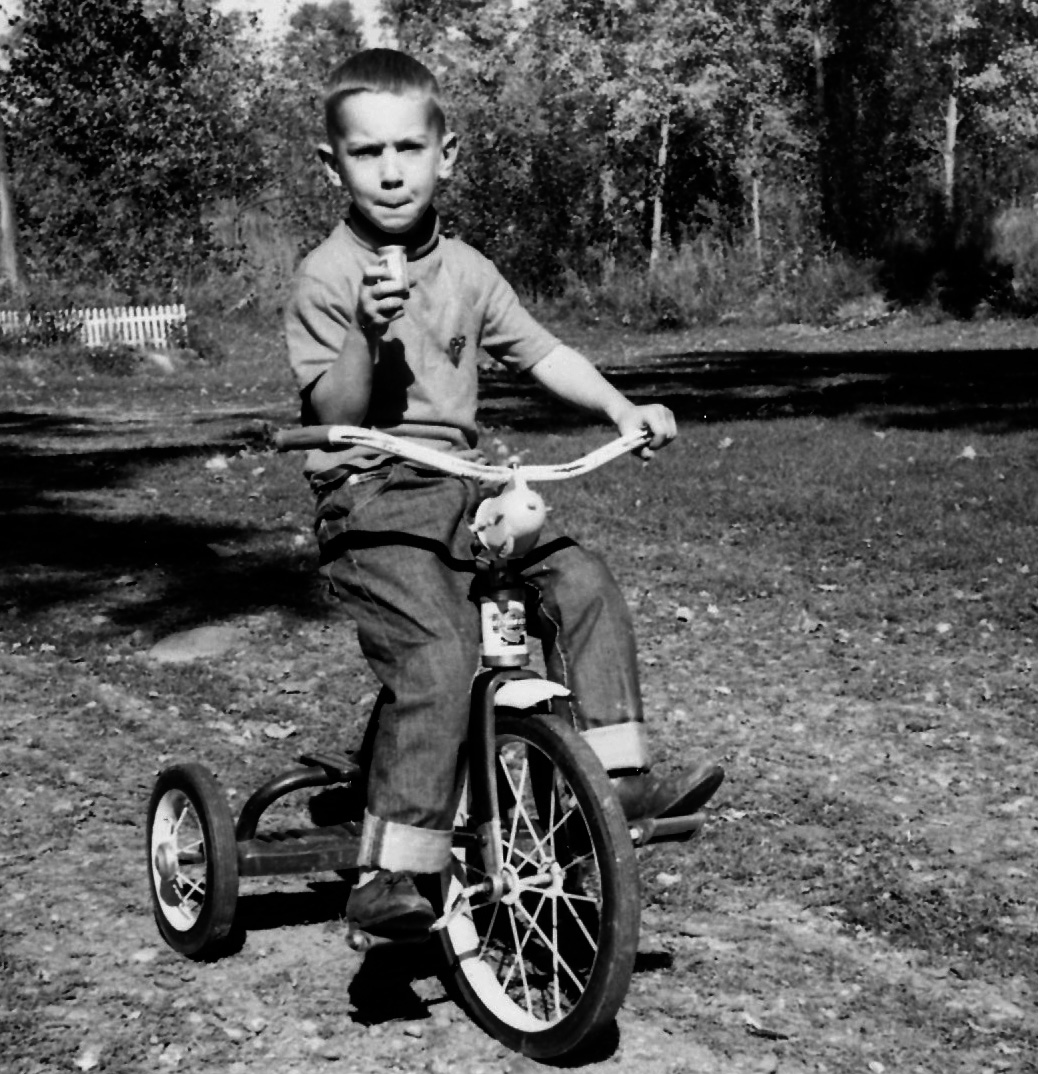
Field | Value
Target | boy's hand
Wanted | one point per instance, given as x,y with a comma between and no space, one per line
381,300
655,419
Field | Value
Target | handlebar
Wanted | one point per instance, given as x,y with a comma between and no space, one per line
336,437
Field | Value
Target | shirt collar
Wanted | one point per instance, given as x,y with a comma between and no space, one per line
422,238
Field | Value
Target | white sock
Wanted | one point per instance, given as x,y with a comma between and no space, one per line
366,876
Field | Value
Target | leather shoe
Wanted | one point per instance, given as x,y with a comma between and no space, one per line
337,804
643,794
389,905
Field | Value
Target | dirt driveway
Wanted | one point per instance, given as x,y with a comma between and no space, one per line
862,899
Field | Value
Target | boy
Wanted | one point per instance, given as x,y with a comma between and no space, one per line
395,542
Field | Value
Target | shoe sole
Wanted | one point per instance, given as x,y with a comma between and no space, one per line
695,798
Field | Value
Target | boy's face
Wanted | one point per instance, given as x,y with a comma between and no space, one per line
389,155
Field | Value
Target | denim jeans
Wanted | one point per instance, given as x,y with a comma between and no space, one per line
396,548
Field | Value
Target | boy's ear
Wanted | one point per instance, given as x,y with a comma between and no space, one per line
331,165
448,154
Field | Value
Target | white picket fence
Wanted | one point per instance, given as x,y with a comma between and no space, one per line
138,326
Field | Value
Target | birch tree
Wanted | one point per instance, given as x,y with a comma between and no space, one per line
657,68
10,263
767,118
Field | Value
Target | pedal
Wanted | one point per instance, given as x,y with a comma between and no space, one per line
362,942
666,829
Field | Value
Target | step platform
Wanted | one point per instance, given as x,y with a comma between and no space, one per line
308,850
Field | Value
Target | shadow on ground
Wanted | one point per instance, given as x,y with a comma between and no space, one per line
993,390
59,548
80,523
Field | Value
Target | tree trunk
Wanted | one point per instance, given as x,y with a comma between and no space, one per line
951,131
758,243
951,112
818,52
753,140
657,193
10,266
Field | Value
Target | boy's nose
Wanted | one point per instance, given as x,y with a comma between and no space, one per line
390,168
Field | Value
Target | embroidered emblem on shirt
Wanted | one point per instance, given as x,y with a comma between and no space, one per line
457,345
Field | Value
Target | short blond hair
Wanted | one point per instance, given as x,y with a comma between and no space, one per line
381,70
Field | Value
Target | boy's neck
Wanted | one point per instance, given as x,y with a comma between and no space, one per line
419,240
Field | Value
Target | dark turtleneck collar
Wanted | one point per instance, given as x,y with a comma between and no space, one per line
419,240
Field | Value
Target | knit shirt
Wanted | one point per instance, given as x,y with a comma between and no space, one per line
425,380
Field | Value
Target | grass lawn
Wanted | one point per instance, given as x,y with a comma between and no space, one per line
840,601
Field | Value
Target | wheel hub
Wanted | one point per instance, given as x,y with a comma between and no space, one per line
549,881
167,861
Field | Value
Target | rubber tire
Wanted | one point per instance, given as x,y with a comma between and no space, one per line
613,966
207,936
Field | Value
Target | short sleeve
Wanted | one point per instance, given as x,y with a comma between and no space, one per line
317,323
510,333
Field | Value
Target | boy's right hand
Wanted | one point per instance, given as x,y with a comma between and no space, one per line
381,300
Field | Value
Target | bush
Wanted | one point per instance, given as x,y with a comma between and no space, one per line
75,358
199,338
113,359
1015,241
956,268
710,280
44,328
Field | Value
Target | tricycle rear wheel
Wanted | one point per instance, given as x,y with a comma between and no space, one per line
192,861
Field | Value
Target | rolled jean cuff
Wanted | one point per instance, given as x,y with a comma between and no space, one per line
384,844
620,746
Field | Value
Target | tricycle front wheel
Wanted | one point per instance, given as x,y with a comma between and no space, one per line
545,967
192,860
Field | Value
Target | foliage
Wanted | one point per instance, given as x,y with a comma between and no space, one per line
200,336
711,281
1016,246
753,148
113,359
42,328
126,120
319,37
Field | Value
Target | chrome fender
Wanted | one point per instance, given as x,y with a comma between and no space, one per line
527,693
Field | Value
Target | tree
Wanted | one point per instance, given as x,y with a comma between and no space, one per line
1001,90
319,37
765,115
659,73
10,263
127,121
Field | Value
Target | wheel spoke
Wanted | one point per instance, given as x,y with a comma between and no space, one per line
531,918
556,987
551,947
572,896
489,934
556,825
517,796
189,886
580,859
549,835
519,962
521,812
580,924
